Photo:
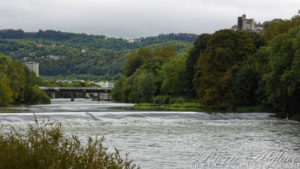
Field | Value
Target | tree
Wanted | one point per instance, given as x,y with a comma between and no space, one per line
145,86
135,60
141,86
16,73
217,66
5,91
245,86
117,92
199,47
279,28
19,84
283,81
257,39
174,78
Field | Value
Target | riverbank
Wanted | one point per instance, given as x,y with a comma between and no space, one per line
192,106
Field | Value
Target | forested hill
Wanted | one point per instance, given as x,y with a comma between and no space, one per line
82,56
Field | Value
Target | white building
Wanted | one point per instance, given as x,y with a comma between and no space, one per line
33,66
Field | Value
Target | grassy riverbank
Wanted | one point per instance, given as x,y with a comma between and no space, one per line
192,106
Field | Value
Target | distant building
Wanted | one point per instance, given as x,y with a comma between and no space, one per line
246,24
105,84
33,66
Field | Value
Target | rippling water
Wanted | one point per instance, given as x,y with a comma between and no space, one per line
171,140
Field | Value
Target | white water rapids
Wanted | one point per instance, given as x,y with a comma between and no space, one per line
173,139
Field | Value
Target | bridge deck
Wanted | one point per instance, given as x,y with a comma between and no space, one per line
77,89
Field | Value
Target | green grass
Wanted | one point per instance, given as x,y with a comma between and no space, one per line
175,106
44,146
194,106
146,105
184,105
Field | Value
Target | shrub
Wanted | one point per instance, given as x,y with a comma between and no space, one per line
177,100
161,99
44,146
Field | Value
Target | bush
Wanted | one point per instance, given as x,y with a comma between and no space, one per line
177,100
44,146
161,99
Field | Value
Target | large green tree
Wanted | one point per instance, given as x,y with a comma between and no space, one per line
145,74
18,84
198,48
283,81
217,66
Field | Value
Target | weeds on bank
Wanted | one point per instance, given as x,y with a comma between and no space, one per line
44,146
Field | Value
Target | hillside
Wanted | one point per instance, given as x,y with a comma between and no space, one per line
80,56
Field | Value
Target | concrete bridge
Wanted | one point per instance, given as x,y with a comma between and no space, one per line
73,90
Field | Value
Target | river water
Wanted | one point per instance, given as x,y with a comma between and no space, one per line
173,139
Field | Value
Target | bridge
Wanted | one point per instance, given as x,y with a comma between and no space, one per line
73,90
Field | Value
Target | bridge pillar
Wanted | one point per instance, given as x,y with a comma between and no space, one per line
98,97
72,96
52,95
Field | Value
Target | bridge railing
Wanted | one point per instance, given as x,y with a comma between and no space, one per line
75,88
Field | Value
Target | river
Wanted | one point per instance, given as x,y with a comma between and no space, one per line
173,139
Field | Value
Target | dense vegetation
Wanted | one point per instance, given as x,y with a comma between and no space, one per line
150,73
44,146
18,84
80,56
226,70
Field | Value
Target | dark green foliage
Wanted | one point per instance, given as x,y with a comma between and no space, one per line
199,47
6,94
18,84
118,93
135,60
44,146
230,70
257,39
161,99
217,66
143,87
283,81
174,77
149,73
245,87
174,100
279,28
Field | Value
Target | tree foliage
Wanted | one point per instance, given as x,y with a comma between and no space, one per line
18,84
198,48
279,28
6,94
283,81
80,56
174,77
217,66
149,73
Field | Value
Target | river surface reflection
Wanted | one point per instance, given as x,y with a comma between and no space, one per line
173,139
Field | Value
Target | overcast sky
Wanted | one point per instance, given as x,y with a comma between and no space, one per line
138,18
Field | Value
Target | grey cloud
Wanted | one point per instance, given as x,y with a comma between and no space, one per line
136,18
